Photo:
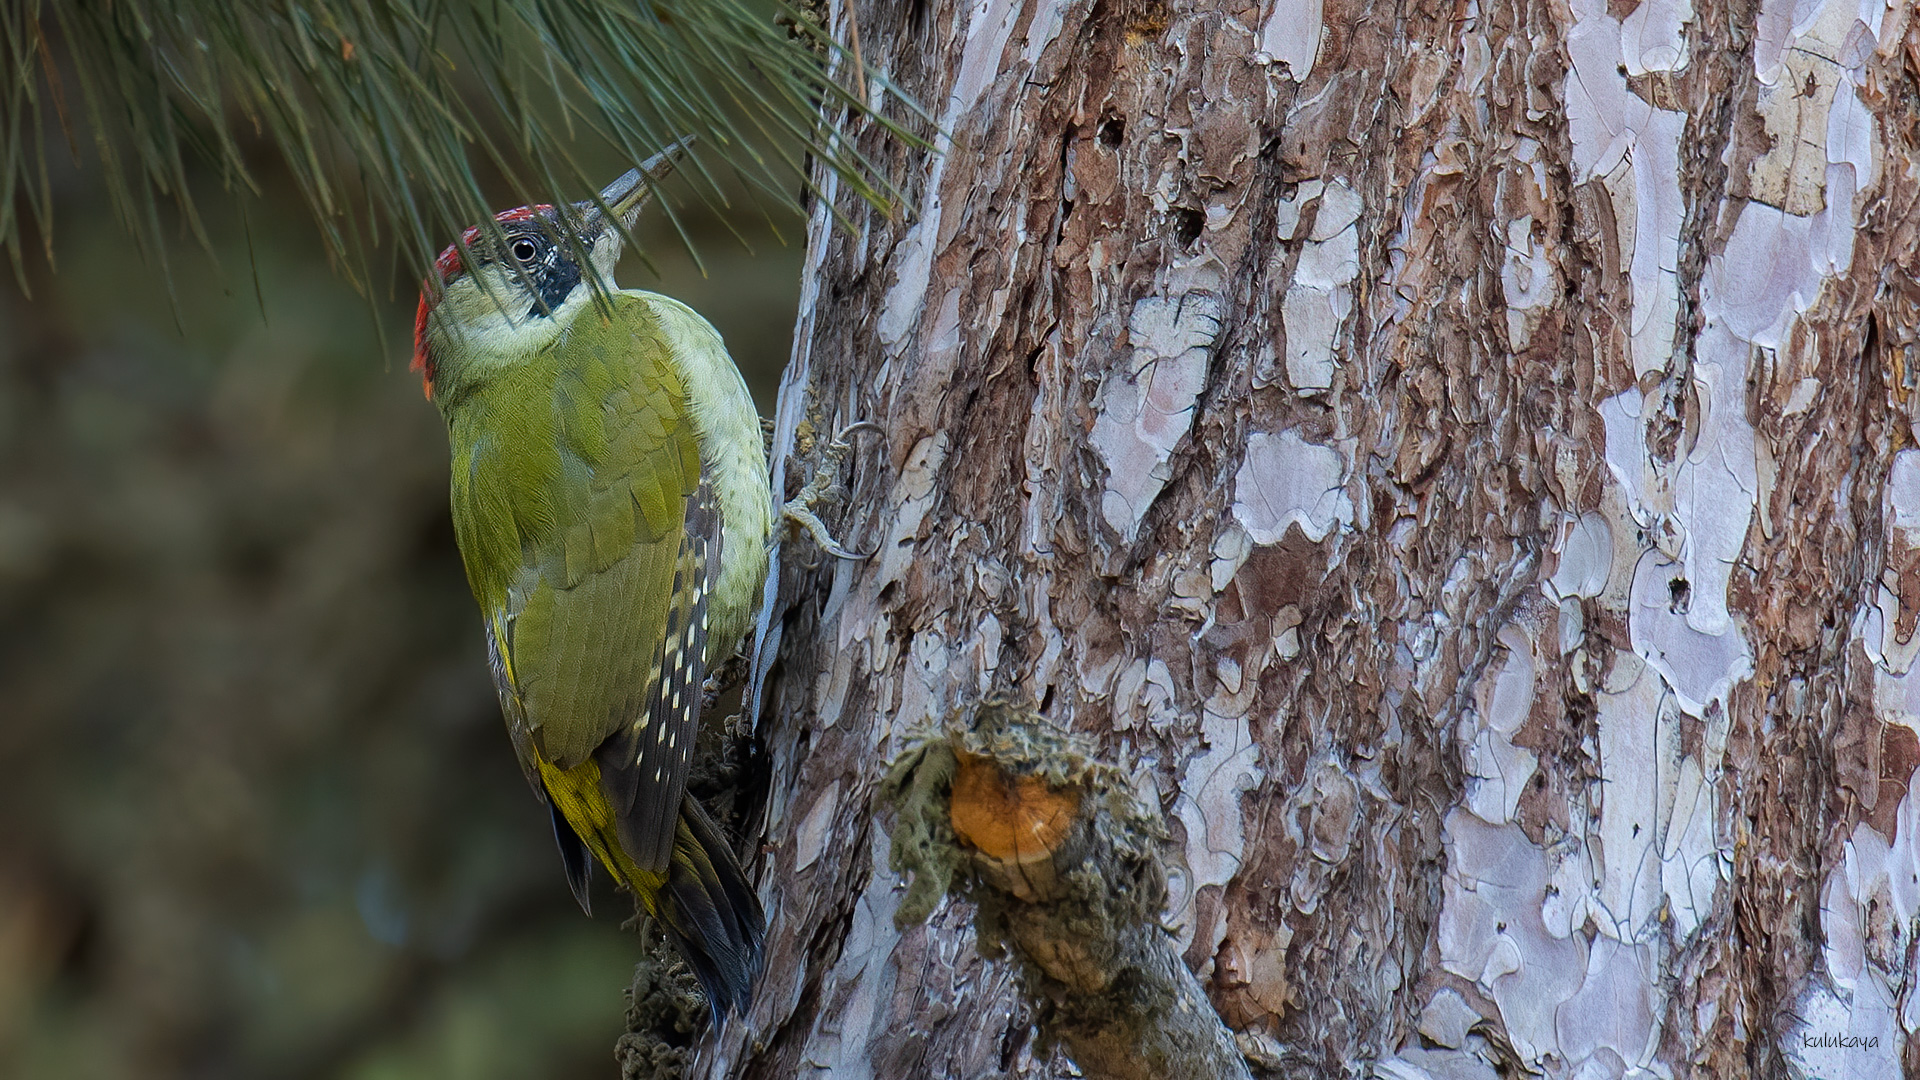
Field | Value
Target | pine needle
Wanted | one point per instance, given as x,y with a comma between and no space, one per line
389,113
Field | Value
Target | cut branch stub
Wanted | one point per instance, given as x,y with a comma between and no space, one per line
1063,867
1014,823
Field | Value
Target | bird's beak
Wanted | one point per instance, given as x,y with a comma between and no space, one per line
625,197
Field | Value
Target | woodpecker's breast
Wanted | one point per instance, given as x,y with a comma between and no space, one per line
731,457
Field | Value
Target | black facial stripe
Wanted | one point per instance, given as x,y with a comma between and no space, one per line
554,281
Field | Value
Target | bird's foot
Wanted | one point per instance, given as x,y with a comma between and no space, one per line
823,487
729,676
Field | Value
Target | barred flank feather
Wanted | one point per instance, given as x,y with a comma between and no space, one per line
711,913
645,772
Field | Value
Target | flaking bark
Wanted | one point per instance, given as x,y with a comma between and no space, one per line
1456,462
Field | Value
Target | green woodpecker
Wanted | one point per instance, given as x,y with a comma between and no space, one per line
611,502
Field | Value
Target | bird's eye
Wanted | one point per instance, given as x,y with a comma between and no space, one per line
524,251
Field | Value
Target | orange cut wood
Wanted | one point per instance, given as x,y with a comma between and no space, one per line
1012,819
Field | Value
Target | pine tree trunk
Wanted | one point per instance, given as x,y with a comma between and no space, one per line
1454,459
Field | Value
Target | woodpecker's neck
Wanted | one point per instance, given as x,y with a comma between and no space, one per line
470,337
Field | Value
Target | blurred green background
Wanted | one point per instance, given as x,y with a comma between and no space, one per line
259,817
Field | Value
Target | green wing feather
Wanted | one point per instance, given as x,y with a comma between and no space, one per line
571,501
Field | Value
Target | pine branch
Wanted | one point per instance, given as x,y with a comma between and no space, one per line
388,114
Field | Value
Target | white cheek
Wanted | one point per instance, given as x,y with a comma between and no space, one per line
501,303
501,321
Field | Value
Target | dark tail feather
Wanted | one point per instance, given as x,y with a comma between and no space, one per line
574,858
711,913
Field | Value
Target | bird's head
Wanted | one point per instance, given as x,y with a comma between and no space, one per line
509,296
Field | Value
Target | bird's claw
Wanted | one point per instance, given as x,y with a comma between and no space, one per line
820,488
840,443
810,521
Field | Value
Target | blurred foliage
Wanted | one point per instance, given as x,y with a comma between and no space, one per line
261,818
397,112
